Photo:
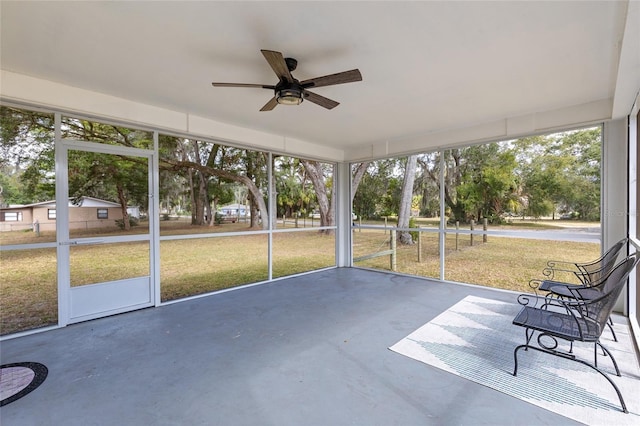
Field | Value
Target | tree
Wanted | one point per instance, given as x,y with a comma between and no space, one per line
321,176
256,170
294,189
378,192
479,181
118,178
210,171
253,189
27,141
359,171
404,211
27,156
107,177
561,172
427,187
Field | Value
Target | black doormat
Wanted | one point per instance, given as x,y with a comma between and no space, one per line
20,378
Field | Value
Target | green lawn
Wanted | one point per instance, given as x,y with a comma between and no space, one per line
28,294
28,289
507,263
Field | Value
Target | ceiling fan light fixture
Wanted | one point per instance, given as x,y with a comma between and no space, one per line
289,96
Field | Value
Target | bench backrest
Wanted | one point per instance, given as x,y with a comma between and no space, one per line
598,310
598,269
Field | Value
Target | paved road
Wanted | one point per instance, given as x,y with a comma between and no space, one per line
578,234
591,235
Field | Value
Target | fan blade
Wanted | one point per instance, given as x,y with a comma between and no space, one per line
320,100
329,80
270,105
278,64
261,86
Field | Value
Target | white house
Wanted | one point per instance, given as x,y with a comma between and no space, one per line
235,210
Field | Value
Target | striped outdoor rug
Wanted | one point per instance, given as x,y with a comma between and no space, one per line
475,339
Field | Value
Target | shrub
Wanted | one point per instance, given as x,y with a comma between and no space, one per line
412,224
133,221
217,218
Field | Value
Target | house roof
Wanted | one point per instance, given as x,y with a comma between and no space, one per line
234,206
82,202
434,73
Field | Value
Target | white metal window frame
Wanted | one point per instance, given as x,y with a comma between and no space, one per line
154,227
633,211
442,229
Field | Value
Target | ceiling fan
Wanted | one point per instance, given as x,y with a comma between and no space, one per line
290,91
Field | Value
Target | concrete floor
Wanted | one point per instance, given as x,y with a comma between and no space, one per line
308,350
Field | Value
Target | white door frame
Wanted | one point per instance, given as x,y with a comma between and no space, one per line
97,300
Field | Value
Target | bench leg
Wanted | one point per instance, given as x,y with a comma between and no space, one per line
613,360
561,355
610,325
515,357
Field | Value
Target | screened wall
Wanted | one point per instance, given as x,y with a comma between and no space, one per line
491,214
94,213
191,216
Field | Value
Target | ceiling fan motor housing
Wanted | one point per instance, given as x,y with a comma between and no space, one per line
292,64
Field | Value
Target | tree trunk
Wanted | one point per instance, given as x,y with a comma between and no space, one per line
202,202
194,199
404,237
357,177
314,170
123,206
254,213
200,197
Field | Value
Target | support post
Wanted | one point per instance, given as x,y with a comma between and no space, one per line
419,245
393,250
457,235
473,227
484,228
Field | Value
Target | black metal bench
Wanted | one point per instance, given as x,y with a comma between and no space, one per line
556,320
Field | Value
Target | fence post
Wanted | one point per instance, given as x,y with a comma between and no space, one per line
473,226
419,245
385,221
393,250
360,224
457,235
484,228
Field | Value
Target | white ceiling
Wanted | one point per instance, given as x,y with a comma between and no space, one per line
426,66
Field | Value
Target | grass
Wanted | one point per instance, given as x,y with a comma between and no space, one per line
28,289
506,263
28,293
